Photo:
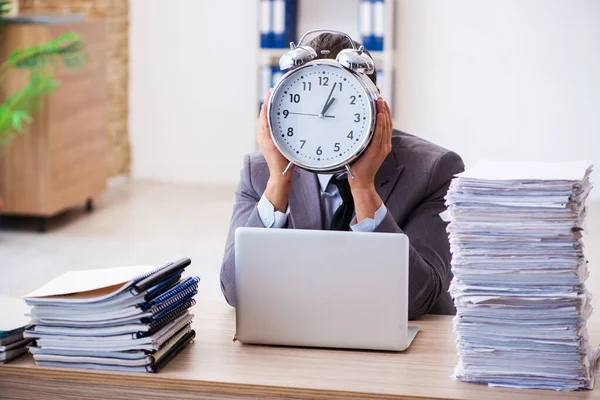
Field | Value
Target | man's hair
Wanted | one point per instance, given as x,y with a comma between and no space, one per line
335,43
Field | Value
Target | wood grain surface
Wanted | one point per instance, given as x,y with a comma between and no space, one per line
215,367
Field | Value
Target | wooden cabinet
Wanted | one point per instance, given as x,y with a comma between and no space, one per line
60,160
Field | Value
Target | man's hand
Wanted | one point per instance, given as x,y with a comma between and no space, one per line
366,199
278,186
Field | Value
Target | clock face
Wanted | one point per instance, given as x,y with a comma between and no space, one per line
321,116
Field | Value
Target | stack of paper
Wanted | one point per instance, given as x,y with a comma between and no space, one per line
12,324
128,319
519,272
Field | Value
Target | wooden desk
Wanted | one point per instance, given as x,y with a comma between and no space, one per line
214,367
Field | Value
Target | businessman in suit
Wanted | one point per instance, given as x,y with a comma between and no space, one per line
400,184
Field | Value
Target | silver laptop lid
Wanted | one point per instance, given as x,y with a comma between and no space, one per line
322,288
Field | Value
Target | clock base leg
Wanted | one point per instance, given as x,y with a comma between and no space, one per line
349,170
287,169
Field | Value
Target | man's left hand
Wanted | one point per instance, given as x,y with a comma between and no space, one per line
366,199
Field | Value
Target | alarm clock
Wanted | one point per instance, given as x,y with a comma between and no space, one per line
322,112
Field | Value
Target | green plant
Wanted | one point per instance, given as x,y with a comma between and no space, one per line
41,61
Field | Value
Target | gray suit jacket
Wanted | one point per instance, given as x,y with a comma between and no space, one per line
412,182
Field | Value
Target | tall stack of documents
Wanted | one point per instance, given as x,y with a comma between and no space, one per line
127,319
12,324
519,271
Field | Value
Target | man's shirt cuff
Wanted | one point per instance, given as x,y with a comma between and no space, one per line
369,224
269,217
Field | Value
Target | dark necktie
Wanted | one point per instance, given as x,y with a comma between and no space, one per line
343,215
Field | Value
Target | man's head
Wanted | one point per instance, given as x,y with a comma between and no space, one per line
334,43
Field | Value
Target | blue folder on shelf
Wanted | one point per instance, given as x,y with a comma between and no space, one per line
365,23
266,23
285,17
378,24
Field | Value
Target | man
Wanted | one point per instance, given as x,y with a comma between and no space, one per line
400,185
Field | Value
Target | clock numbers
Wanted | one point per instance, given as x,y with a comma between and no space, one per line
320,117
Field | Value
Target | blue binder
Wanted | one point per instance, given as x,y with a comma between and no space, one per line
378,11
266,23
365,23
178,292
285,19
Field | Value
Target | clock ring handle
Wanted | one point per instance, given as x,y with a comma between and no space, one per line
324,31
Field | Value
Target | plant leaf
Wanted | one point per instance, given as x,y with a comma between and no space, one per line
69,47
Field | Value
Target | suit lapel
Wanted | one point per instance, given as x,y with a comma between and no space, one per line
305,201
387,176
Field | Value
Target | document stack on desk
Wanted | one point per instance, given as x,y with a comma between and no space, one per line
519,272
127,319
12,324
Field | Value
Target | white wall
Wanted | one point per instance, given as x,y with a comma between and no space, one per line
193,106
193,82
502,79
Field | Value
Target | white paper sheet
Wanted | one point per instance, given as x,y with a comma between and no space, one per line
84,281
12,314
527,170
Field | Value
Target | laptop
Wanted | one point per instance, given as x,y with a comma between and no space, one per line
322,289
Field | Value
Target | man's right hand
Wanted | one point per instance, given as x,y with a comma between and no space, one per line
278,186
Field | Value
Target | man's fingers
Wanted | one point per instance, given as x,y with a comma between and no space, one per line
381,123
389,121
263,111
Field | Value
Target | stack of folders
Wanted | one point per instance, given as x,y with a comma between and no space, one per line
519,271
371,24
278,21
12,324
127,319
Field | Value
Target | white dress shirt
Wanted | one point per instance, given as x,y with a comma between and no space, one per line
331,199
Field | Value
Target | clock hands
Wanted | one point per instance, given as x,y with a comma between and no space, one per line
326,108
312,115
327,102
